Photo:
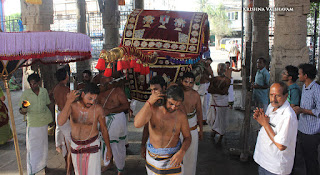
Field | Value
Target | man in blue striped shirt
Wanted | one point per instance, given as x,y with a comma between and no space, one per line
309,121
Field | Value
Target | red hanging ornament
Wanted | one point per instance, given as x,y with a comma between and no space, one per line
125,64
119,65
138,66
132,63
101,65
108,71
143,70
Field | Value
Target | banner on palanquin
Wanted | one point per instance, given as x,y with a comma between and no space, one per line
179,38
169,33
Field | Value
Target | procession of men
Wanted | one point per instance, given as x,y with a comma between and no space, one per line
92,132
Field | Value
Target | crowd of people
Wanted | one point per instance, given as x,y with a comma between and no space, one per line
288,140
91,123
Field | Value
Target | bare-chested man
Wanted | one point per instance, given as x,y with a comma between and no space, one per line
157,84
228,74
219,86
203,88
193,109
114,103
62,135
86,79
166,122
84,117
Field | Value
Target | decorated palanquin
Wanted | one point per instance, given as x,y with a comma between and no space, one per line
177,38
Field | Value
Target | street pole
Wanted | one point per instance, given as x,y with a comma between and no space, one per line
13,125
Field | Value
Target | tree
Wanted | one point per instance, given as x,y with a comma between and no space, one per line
218,19
311,17
202,5
13,23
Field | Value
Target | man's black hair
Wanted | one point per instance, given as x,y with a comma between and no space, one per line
91,88
188,75
284,87
309,69
208,59
227,62
87,72
263,60
293,72
175,92
158,80
34,77
61,74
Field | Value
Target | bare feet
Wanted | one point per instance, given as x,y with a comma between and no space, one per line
105,168
59,150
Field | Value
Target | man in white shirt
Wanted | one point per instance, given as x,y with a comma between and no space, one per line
276,142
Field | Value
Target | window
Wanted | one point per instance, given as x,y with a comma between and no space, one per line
233,15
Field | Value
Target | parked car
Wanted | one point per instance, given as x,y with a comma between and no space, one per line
223,43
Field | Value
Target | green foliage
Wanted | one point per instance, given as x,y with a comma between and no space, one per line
219,22
14,16
12,22
311,16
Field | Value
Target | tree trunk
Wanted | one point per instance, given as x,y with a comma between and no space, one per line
139,4
217,41
81,28
246,93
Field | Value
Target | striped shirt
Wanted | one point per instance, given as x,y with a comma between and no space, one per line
310,99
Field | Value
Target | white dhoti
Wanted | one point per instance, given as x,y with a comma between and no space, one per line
37,148
158,160
203,92
62,135
231,93
217,113
117,128
86,156
190,158
208,97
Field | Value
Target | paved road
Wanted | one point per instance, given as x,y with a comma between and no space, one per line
219,56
